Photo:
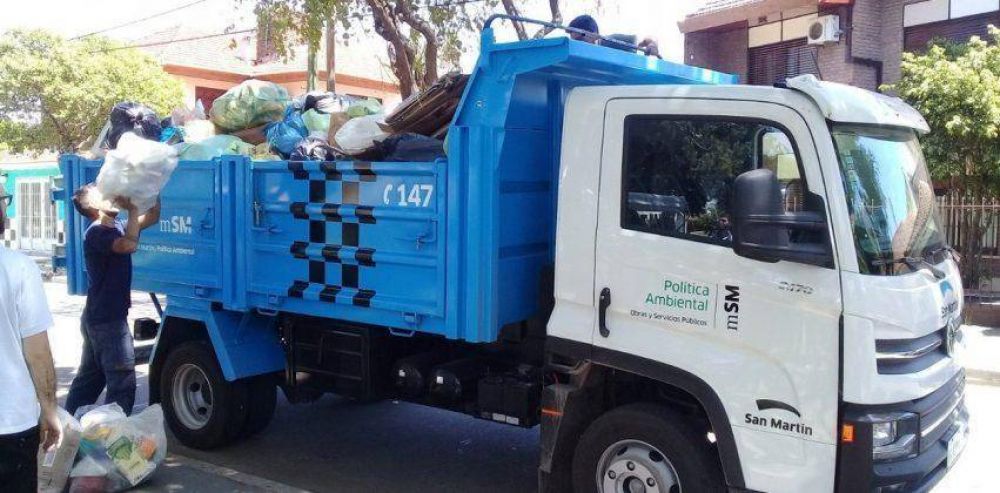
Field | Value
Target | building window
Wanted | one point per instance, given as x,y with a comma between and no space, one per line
916,38
779,61
679,173
207,95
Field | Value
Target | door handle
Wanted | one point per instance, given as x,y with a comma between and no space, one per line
602,312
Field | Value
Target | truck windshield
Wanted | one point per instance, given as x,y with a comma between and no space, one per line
889,196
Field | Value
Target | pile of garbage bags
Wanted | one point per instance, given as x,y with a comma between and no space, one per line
259,119
104,452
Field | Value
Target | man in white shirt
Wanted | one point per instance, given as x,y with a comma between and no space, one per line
28,416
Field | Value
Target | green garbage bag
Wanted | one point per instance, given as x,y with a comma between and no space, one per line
316,121
250,104
364,107
212,147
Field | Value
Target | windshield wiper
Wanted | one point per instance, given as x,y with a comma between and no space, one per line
915,264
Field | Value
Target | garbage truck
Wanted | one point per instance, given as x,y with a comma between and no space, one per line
785,317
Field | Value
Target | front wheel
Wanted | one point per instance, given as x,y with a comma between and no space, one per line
645,448
203,410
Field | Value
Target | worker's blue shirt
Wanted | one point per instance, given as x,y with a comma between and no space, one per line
109,294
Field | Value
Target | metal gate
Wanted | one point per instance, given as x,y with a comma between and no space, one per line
36,215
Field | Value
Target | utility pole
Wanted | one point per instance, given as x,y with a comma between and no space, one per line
331,51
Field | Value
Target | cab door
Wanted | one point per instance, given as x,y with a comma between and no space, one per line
763,336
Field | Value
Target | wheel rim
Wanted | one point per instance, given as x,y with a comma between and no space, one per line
634,466
192,396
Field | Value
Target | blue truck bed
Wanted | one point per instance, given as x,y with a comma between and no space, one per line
454,247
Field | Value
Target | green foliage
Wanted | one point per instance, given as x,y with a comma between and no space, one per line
420,36
302,22
56,94
957,89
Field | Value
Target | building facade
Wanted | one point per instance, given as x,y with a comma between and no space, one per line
765,41
209,64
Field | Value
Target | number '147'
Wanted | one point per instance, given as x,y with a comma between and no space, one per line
408,196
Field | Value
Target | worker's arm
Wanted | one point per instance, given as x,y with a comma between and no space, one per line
650,47
34,319
129,243
38,355
151,217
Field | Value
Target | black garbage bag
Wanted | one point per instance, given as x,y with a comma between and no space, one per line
132,117
409,147
313,149
322,102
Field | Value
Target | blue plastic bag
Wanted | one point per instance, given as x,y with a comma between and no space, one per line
286,134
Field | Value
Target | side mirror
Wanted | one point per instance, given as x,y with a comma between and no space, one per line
762,230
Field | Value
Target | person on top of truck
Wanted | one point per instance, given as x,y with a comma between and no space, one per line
108,352
589,24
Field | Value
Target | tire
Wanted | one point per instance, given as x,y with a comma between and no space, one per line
625,443
262,397
200,419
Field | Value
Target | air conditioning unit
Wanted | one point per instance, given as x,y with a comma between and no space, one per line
825,29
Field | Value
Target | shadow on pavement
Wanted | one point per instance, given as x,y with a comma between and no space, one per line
338,445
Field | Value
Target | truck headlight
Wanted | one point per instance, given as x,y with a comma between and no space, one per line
894,435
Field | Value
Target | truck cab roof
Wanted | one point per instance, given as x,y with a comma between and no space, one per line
848,104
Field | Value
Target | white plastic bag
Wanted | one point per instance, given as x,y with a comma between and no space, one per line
54,465
359,134
124,451
198,130
137,169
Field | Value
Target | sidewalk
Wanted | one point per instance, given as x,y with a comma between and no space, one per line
981,356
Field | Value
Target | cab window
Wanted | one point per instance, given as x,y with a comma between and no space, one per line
678,173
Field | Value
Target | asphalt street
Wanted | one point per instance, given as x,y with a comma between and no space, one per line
342,446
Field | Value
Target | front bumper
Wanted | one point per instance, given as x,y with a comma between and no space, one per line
942,415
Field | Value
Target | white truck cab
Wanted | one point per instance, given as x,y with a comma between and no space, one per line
776,253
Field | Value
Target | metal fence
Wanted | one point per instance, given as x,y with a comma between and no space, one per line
953,209
958,214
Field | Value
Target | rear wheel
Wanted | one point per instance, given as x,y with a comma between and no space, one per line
645,448
203,409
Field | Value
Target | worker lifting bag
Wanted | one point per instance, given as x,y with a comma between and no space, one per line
138,169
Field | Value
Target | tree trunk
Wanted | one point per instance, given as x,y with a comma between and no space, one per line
511,9
423,27
331,52
400,54
311,69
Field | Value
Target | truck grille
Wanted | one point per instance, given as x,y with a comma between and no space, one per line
898,356
947,406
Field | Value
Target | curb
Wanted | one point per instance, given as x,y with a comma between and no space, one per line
236,476
982,377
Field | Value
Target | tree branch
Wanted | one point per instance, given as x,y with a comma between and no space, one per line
405,11
556,19
511,9
400,54
64,138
